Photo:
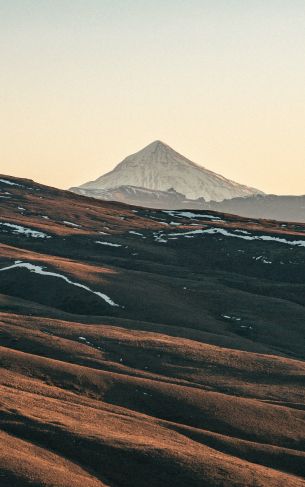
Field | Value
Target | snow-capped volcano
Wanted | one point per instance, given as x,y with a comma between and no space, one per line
158,167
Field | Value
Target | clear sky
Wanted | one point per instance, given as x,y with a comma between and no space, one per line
83,83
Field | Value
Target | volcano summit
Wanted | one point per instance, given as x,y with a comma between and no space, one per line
159,168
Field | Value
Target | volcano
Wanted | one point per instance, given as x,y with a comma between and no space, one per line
158,167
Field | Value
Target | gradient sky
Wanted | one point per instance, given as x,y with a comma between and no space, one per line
83,83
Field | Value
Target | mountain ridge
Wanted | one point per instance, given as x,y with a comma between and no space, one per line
267,206
159,167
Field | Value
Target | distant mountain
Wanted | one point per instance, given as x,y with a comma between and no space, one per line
286,208
158,167
149,198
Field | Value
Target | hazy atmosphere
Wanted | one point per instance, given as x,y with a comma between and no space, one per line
85,83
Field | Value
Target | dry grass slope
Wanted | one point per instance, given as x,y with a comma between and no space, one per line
195,378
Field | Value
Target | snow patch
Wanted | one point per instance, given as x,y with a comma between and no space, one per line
10,183
136,233
226,233
28,232
40,270
108,243
159,238
71,224
233,318
189,214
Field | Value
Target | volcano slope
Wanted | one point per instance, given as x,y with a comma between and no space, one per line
148,348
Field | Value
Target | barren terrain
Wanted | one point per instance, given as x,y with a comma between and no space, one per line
148,348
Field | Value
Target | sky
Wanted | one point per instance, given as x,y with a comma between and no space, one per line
84,83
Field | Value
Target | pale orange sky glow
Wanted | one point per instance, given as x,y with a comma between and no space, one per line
85,83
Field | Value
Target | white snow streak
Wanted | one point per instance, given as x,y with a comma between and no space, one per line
189,214
135,233
226,233
28,232
39,270
108,243
71,224
10,183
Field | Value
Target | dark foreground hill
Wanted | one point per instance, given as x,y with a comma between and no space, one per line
146,347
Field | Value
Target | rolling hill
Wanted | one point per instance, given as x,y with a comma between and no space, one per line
147,346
